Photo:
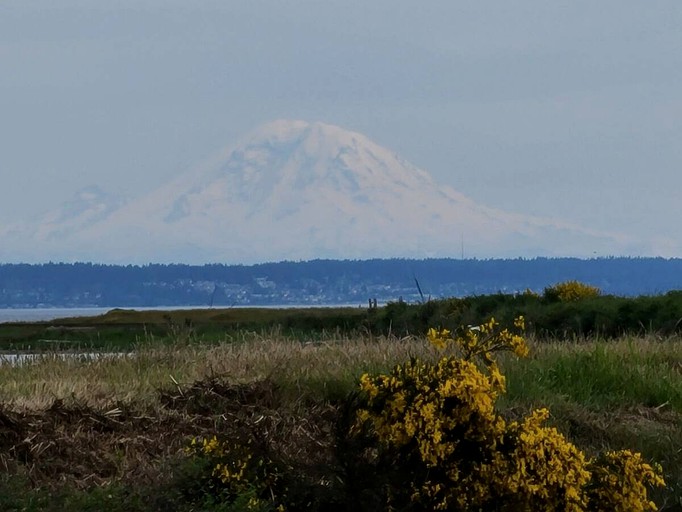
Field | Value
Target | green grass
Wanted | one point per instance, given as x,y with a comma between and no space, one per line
629,372
616,394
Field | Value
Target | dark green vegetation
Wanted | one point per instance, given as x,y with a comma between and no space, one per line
603,316
125,329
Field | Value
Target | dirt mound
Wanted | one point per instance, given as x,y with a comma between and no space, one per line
215,396
297,434
86,446
83,446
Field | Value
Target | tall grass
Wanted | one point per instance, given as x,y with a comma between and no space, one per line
331,364
631,371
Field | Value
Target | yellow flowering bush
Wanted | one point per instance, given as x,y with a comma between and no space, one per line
535,468
447,448
620,480
571,291
238,476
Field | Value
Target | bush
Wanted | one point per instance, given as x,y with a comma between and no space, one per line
570,291
450,450
428,436
238,476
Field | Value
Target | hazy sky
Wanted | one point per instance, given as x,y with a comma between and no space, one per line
565,108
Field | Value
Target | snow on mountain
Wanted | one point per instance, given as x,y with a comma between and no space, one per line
49,234
87,207
298,190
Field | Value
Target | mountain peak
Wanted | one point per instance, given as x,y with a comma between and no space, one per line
296,129
302,153
295,190
317,139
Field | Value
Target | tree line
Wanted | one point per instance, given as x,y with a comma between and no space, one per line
97,284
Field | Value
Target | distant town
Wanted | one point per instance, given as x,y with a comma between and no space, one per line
320,282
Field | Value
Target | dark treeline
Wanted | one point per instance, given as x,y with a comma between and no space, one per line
332,281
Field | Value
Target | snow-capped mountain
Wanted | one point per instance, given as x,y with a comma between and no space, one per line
48,236
298,190
87,207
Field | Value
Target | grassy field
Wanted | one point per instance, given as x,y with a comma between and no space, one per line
110,434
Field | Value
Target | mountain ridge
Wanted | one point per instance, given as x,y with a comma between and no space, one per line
297,190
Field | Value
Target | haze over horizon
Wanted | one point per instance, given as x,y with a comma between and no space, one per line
570,111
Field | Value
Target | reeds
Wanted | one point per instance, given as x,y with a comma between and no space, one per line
137,376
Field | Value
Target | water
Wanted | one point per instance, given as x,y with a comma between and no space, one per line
30,357
40,314
44,314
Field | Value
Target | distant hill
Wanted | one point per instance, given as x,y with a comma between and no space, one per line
320,281
293,190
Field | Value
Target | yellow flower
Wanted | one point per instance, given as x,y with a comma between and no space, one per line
441,417
520,322
571,291
438,339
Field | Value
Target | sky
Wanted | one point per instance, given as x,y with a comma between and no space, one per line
567,109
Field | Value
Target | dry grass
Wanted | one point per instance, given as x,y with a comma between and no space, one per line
137,376
643,371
